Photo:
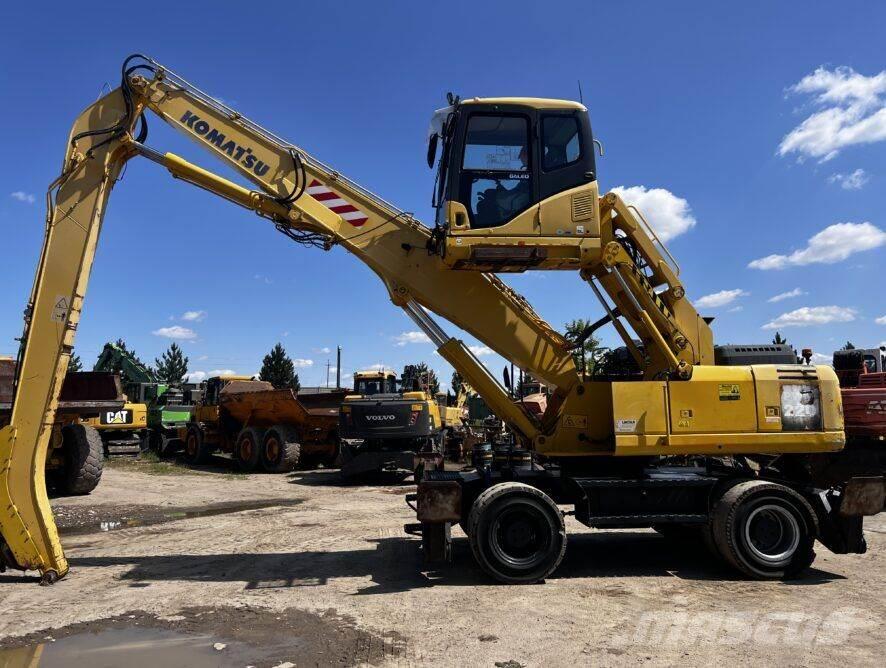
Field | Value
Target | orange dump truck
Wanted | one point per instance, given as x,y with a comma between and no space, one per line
261,427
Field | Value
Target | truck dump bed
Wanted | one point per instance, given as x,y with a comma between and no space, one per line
258,404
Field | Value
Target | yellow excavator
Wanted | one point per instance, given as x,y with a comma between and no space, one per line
729,451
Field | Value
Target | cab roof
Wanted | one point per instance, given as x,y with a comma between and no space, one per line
534,102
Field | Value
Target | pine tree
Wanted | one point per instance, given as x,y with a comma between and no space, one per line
585,355
74,364
172,367
278,370
420,375
457,380
779,339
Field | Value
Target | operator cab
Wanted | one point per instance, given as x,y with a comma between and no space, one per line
369,383
516,184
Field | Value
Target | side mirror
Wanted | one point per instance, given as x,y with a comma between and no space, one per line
432,149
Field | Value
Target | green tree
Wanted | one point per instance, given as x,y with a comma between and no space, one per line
849,346
585,355
456,382
779,339
278,370
74,364
421,375
172,366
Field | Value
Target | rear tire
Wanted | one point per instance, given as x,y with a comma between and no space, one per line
247,449
765,530
84,460
280,450
517,533
197,451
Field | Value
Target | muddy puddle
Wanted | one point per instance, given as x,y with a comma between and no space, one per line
133,648
197,637
75,520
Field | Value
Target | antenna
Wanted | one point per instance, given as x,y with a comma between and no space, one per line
580,96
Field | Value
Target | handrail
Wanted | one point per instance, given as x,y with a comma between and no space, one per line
655,239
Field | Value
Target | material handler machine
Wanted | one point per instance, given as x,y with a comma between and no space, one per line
724,449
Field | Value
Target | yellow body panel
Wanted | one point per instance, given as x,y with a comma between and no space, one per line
718,399
139,420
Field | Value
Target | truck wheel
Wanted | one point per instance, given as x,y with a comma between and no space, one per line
765,530
247,449
280,450
84,459
197,451
517,533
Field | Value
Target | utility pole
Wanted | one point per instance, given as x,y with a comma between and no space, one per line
327,374
338,367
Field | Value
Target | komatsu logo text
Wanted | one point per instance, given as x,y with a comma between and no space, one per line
241,154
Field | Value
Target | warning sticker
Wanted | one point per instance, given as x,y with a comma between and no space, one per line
729,392
60,310
629,426
575,421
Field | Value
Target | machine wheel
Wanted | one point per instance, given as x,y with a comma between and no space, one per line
247,449
197,451
84,459
280,450
765,530
331,460
517,533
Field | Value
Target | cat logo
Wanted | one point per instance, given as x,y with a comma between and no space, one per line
117,417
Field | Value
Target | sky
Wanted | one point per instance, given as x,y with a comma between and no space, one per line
752,135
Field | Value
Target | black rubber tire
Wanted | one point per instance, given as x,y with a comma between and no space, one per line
247,449
280,449
536,513
197,451
330,461
84,460
774,504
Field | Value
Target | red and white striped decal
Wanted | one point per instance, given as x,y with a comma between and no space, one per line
334,202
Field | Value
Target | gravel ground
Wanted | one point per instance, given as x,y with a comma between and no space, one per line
302,569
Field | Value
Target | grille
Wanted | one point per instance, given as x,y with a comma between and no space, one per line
583,207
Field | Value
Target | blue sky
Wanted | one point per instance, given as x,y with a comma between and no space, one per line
738,128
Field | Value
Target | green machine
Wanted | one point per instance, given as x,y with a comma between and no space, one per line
165,407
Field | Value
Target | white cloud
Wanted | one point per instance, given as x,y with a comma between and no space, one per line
736,309
285,334
668,214
851,111
411,337
300,363
812,315
852,181
833,244
325,350
195,377
480,351
796,292
264,279
222,372
720,298
21,196
194,316
818,358
881,320
176,332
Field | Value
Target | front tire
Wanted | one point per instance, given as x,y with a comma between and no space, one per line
84,460
765,530
197,451
280,450
517,533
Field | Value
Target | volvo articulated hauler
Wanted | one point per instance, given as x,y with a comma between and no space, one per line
725,449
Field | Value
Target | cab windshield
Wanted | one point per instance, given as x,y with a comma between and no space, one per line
370,386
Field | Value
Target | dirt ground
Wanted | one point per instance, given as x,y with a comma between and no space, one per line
300,569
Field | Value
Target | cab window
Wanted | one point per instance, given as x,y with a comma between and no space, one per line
561,145
495,168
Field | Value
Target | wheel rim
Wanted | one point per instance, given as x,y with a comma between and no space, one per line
772,534
272,449
246,449
520,537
